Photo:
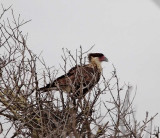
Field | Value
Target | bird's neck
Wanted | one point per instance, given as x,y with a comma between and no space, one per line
97,63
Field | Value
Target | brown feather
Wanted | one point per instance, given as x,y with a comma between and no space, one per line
79,80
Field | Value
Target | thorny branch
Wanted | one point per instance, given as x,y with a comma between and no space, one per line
106,111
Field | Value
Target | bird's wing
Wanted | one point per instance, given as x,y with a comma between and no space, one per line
77,77
61,82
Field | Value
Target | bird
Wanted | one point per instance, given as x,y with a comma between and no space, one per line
80,79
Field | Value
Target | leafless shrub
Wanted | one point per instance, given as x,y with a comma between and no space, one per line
31,113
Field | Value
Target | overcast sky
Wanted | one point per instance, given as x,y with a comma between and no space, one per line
126,31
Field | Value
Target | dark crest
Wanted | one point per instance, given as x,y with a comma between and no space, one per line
94,55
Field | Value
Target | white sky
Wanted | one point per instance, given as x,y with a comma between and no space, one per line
126,31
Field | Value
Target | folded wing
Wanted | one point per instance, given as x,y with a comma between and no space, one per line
79,80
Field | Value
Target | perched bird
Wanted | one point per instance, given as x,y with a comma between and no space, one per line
80,79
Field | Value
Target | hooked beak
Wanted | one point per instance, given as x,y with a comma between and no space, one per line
105,59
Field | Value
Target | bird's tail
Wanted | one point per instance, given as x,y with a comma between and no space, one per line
48,87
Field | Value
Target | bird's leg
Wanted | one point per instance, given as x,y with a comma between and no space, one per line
74,101
86,106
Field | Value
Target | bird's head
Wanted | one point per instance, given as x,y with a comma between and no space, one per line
97,57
